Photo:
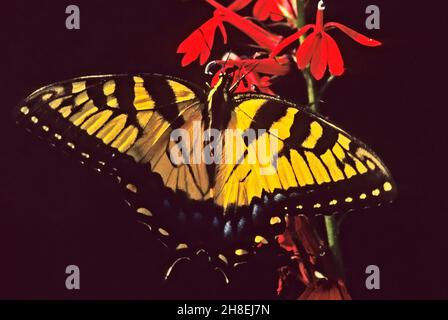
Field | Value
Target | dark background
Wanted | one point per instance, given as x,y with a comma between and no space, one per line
55,213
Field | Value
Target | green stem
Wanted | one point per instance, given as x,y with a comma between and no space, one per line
331,225
333,243
311,91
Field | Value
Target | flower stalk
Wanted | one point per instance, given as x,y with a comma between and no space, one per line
332,229
330,221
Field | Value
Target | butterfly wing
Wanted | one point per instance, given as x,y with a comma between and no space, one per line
121,125
315,167
100,117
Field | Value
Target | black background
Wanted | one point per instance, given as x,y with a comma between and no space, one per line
55,213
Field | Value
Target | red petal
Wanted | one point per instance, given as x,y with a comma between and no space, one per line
279,66
335,61
262,83
294,37
223,32
262,37
320,58
188,58
239,4
205,54
265,9
261,9
199,43
277,16
319,20
273,66
328,291
366,41
191,49
207,34
306,51
187,44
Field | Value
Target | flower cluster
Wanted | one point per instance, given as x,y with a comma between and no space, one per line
314,52
311,265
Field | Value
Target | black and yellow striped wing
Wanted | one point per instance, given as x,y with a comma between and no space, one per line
317,167
102,117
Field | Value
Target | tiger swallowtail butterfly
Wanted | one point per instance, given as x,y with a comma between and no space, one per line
122,125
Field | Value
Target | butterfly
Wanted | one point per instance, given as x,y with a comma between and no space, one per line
145,130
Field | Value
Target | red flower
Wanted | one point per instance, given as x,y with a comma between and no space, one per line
200,42
333,290
276,10
252,74
262,37
311,265
319,49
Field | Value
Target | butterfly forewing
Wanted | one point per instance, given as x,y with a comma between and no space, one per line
319,168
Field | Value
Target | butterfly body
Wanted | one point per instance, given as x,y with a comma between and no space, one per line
125,126
217,114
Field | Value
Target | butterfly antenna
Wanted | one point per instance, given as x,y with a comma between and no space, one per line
209,67
213,63
226,60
